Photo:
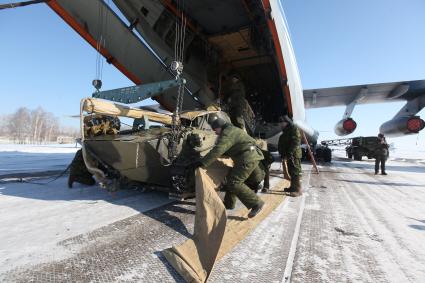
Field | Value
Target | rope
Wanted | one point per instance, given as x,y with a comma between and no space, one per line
22,180
21,4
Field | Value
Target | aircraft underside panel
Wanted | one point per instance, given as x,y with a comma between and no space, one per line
98,24
220,37
157,26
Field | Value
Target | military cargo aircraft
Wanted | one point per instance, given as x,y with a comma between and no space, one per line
248,36
181,53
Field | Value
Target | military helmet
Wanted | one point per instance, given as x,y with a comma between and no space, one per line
216,121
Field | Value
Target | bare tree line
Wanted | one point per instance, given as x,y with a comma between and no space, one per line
33,126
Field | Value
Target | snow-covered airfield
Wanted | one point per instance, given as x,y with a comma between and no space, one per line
350,225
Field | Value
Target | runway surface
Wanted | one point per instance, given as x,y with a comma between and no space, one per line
349,226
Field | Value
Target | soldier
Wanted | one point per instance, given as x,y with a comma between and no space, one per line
290,151
78,171
381,154
235,100
265,164
238,145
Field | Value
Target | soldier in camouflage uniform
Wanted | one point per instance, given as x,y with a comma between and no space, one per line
235,100
238,145
290,151
78,171
381,154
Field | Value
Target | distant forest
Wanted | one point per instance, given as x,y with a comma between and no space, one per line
33,126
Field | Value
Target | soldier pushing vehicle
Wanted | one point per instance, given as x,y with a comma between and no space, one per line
246,173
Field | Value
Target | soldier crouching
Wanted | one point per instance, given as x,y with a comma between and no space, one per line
238,145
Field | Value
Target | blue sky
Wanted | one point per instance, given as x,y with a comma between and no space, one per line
45,63
339,43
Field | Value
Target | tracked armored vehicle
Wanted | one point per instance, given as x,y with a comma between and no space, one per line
147,152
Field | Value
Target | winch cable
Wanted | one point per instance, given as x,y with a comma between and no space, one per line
21,4
102,24
49,180
177,66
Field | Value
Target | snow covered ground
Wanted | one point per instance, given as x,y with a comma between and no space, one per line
361,227
356,227
414,155
411,155
34,218
24,158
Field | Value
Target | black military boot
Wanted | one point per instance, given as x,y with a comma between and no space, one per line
294,192
295,188
256,209
229,201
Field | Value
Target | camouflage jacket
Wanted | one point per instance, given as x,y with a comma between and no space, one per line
236,144
382,148
290,142
235,99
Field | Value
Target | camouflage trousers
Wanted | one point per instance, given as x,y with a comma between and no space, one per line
294,171
239,180
380,159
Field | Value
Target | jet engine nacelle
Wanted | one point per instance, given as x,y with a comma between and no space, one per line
402,126
345,127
